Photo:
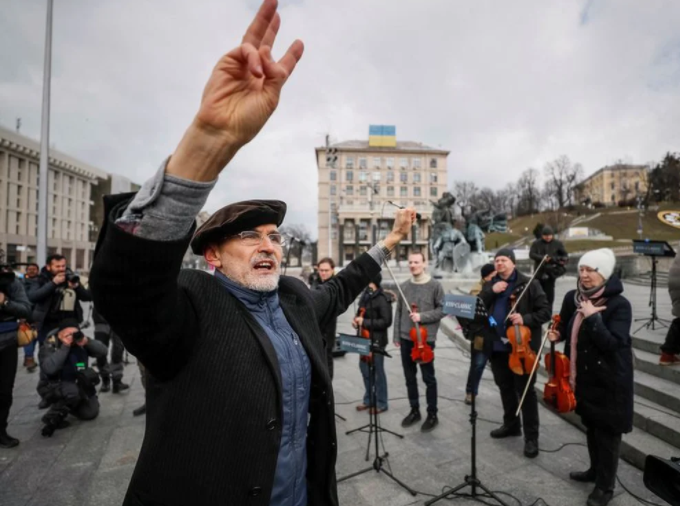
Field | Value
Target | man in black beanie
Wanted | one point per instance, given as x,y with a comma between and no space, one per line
554,265
531,311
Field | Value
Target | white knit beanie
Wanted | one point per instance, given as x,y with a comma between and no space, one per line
602,260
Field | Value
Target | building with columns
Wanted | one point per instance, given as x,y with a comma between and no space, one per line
356,181
69,202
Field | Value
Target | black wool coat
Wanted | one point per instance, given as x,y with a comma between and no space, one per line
214,405
533,307
604,365
378,316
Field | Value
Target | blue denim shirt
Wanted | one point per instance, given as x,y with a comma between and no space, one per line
290,484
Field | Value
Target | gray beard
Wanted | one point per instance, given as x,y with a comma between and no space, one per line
262,284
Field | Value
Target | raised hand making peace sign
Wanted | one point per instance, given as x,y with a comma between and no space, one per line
242,93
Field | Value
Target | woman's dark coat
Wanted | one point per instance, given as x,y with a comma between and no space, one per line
604,365
378,317
214,396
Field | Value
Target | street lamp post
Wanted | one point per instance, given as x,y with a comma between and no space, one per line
45,142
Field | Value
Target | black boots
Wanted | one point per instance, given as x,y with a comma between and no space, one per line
505,431
599,497
7,441
430,423
531,448
119,386
106,386
411,418
583,476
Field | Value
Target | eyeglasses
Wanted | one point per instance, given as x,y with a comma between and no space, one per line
252,238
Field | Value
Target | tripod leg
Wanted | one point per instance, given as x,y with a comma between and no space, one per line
358,429
491,494
447,493
399,482
354,474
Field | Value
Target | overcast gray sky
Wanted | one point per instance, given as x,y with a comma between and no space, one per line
504,85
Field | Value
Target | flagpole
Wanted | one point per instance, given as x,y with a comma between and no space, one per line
45,142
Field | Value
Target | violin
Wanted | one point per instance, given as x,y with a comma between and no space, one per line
422,352
362,332
522,357
557,391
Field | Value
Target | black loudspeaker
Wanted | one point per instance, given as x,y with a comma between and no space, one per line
663,478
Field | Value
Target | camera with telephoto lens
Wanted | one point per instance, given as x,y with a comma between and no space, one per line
72,277
77,337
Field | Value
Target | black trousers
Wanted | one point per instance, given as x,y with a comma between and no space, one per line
67,397
604,448
330,344
672,343
411,374
114,370
8,371
548,285
512,387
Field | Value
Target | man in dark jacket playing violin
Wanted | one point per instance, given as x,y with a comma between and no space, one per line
532,311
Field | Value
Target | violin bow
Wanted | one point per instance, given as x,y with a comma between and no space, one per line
526,287
398,287
533,370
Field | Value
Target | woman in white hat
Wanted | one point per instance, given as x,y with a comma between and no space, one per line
595,324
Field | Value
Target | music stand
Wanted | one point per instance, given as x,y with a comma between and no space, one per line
653,249
375,430
468,307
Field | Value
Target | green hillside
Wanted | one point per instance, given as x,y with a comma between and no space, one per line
619,223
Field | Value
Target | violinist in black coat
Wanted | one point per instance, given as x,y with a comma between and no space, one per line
376,319
595,325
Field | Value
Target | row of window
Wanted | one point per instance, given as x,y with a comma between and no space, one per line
388,162
389,177
57,180
403,191
15,226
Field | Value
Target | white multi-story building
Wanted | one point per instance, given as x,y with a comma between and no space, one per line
68,202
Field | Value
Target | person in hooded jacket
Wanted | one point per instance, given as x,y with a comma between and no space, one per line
376,319
595,325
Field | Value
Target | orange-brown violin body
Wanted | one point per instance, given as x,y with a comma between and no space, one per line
557,391
522,356
362,332
422,352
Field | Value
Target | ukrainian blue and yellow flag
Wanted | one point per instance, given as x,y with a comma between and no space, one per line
382,136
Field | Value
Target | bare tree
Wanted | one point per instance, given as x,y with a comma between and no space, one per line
465,193
562,176
528,192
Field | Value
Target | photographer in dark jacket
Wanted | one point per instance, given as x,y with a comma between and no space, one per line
109,371
554,265
70,385
532,311
377,318
14,306
595,325
57,295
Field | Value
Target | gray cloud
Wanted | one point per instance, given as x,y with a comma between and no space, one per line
503,85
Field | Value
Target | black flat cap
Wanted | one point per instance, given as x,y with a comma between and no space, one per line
236,218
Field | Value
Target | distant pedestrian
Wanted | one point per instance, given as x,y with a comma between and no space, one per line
671,347
554,265
595,325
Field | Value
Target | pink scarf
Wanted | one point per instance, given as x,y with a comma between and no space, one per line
597,300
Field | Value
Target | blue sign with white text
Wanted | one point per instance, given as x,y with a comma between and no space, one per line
461,306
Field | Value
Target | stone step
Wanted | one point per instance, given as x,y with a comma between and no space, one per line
657,390
657,420
645,343
649,363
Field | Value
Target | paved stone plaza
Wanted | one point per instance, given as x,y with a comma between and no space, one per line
90,463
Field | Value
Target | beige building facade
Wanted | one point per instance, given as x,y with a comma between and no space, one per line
612,184
353,210
69,202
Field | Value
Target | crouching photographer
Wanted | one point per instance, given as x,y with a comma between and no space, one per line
14,305
69,383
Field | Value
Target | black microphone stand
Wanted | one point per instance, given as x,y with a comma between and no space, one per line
470,480
374,424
